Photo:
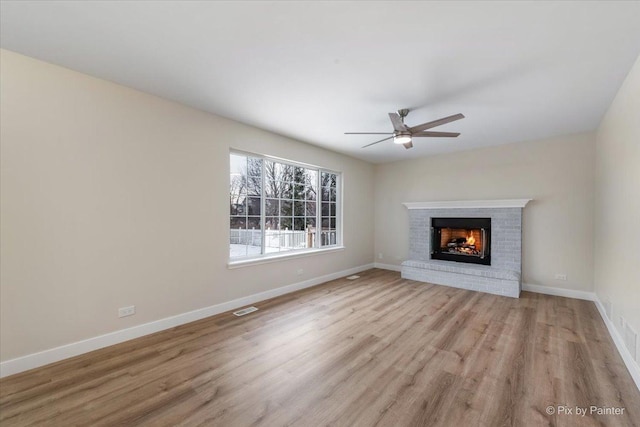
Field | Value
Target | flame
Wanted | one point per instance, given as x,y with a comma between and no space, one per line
471,240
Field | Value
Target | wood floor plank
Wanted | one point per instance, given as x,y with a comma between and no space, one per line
376,351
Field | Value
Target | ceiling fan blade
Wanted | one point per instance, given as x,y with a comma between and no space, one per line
397,122
368,133
436,134
368,145
408,145
435,123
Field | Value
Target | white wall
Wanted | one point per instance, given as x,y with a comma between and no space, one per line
617,205
111,197
558,173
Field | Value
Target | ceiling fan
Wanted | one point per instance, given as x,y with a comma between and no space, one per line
403,134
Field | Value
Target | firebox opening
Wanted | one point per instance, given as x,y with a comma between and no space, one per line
461,239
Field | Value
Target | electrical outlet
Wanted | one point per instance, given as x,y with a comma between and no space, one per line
561,276
127,311
300,272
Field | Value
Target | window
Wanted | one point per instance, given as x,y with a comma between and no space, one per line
278,206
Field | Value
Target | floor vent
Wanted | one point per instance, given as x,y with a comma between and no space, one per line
245,311
354,277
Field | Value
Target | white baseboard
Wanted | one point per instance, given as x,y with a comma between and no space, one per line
388,266
56,354
559,292
632,365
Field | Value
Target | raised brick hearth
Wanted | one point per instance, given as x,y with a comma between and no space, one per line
502,277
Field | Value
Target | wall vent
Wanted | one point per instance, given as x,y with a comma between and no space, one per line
245,311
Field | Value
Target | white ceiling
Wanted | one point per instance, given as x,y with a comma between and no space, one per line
314,70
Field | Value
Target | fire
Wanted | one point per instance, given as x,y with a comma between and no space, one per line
471,240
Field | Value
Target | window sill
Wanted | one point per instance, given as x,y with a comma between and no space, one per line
264,259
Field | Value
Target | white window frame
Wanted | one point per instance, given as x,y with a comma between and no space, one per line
293,253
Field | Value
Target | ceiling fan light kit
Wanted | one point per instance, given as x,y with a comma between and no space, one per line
403,134
402,138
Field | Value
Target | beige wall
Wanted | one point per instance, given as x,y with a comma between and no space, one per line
617,205
557,226
112,197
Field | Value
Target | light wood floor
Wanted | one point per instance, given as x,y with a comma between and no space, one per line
379,350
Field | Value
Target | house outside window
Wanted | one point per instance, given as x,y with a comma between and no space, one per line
277,206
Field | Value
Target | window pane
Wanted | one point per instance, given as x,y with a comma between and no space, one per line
253,206
271,240
298,223
311,209
310,192
272,207
238,165
272,223
236,208
238,185
311,238
278,171
298,208
254,186
325,194
299,175
253,222
237,192
286,190
286,208
332,209
238,222
254,167
311,178
253,236
271,188
287,172
286,223
325,209
298,191
310,223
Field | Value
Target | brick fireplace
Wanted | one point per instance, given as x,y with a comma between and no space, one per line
475,245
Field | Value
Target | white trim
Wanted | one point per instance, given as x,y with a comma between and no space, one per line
632,365
559,292
387,266
56,354
264,259
468,204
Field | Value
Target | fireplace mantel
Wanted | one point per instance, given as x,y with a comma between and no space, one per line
470,204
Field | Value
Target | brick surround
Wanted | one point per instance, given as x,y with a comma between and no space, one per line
502,277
